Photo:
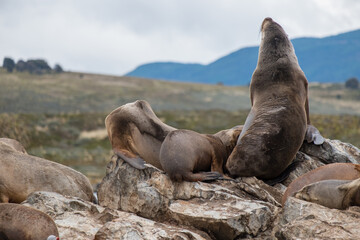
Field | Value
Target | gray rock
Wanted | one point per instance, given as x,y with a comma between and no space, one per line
131,227
78,219
332,151
246,208
305,220
223,209
146,204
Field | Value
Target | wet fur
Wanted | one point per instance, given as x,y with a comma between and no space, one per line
335,171
190,156
339,194
25,223
276,125
136,133
22,174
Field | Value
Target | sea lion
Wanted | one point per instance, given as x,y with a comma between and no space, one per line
136,133
186,155
14,144
278,121
335,171
339,194
25,223
22,174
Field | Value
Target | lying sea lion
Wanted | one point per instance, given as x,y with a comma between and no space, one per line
136,133
279,119
334,171
22,174
25,223
339,194
14,144
186,155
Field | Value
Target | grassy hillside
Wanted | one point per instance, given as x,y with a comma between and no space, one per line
78,92
61,116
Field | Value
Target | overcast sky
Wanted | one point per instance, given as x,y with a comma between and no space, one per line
114,37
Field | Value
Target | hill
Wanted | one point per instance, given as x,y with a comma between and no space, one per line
325,60
71,92
61,116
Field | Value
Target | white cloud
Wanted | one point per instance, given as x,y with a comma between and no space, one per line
116,36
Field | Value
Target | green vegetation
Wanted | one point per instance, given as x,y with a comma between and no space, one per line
60,117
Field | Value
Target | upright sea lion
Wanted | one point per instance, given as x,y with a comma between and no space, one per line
22,174
335,171
276,125
136,133
188,155
25,223
339,194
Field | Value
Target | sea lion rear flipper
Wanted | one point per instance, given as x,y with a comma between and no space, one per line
352,184
134,161
313,135
283,176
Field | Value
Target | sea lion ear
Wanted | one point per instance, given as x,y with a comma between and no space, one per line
313,135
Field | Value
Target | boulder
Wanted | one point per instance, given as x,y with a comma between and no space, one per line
244,208
224,209
304,220
332,151
78,219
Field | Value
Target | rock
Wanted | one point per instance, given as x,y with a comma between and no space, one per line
133,227
247,208
305,220
302,164
332,151
78,219
237,210
146,204
75,218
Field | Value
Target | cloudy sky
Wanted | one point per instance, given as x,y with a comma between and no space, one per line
114,37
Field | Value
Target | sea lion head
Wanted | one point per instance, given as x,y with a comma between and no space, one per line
275,43
229,137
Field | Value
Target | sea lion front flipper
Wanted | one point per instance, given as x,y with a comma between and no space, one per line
313,135
135,161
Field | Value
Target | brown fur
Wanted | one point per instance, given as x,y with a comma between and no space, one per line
276,125
14,144
188,155
136,133
25,223
22,174
335,171
339,194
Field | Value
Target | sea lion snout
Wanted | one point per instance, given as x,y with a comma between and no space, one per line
266,23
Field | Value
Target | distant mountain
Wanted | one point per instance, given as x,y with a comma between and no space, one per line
330,59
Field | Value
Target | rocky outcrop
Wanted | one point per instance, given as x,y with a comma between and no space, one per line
305,220
224,209
146,204
245,208
80,220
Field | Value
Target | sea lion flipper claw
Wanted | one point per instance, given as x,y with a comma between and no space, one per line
210,176
313,135
135,161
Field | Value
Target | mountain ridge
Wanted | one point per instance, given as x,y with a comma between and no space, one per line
329,59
